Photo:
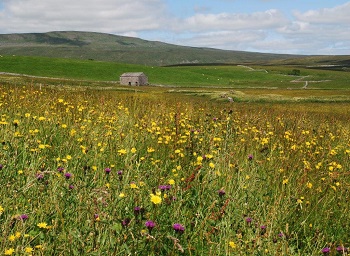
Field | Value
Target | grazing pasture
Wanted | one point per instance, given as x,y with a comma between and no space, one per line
142,171
210,76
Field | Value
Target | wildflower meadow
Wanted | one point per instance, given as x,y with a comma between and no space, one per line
103,172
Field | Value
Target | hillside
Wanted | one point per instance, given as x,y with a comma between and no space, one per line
107,47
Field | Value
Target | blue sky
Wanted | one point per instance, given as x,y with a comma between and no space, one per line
275,26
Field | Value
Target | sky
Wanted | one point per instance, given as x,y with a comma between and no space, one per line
274,26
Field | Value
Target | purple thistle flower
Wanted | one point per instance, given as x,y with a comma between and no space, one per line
178,228
71,186
221,192
107,170
23,217
138,210
280,234
250,157
120,174
60,169
150,225
1,166
40,176
126,222
164,187
326,250
341,249
68,175
248,220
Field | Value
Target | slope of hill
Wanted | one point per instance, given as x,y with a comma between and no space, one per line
107,47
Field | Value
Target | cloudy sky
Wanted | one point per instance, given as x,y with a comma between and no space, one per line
275,26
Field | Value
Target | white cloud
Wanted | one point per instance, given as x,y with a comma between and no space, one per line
232,21
336,15
113,16
225,39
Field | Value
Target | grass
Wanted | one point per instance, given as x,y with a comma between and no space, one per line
85,170
194,76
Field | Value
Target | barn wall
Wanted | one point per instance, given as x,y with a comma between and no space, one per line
134,80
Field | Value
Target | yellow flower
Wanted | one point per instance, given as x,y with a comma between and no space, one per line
211,165
133,150
121,195
9,251
232,244
1,209
309,185
42,225
39,246
285,181
28,249
156,199
133,185
150,150
18,234
122,151
12,238
171,182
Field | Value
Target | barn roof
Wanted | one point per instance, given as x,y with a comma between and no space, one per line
133,74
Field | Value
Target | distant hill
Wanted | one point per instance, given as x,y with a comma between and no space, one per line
107,47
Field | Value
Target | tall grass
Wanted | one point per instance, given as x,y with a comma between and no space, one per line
111,173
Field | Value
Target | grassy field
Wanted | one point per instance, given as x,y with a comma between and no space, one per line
182,76
90,170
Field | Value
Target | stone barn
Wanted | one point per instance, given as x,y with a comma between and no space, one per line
133,78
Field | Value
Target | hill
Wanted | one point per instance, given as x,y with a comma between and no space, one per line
107,47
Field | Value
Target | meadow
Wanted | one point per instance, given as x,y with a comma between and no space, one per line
148,172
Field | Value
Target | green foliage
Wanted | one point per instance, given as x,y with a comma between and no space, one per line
295,72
